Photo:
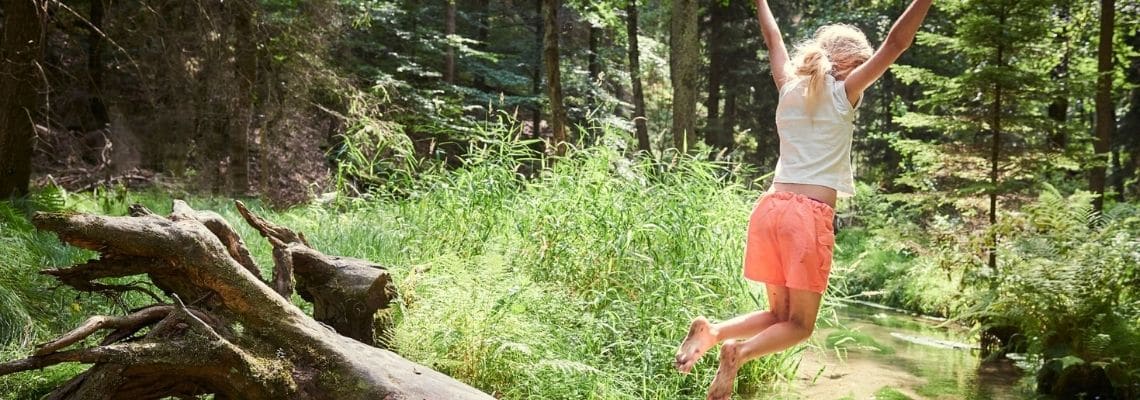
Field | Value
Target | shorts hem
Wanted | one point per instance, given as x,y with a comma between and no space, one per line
785,284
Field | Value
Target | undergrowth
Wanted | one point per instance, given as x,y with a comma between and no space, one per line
576,283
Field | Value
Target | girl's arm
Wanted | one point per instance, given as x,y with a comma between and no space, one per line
898,40
777,53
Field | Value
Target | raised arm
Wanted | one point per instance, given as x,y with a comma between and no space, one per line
898,40
777,53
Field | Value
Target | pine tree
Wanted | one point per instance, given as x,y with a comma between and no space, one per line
992,110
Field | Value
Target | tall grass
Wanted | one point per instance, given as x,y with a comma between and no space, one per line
578,283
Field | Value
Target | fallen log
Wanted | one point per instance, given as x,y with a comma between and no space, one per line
240,337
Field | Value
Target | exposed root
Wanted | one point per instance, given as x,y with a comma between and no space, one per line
133,322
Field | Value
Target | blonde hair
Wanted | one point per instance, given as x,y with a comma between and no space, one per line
833,45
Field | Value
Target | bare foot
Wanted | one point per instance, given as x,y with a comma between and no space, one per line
699,341
721,388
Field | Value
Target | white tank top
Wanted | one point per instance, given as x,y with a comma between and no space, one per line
816,148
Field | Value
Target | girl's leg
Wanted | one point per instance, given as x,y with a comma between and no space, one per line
703,335
803,308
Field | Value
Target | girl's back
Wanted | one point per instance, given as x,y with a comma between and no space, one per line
815,136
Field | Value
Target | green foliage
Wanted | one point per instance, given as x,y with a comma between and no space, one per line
578,283
1070,283
1002,63
573,285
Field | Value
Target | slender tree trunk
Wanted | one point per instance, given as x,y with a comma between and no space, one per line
21,49
891,156
714,47
994,157
594,66
449,60
95,64
683,59
483,35
1105,120
554,76
639,122
1128,138
536,77
245,61
730,112
1058,110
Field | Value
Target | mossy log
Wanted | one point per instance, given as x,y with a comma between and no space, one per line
225,330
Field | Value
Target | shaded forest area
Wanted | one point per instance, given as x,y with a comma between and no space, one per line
596,155
206,93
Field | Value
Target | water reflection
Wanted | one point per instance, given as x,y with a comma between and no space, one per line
864,352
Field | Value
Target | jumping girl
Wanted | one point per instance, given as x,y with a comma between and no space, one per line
790,232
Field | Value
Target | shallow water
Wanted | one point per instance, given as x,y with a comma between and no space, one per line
878,353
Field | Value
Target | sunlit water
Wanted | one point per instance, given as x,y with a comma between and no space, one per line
877,353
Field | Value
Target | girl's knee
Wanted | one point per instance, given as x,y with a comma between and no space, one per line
803,329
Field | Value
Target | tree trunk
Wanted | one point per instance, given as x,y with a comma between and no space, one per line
593,65
730,112
1127,138
995,153
639,121
539,146
21,50
95,64
233,336
554,76
1105,118
483,35
1058,110
449,59
683,59
714,47
245,63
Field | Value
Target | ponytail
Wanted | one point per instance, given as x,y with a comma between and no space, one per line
814,65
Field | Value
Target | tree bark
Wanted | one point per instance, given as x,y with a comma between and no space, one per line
1105,118
1058,110
639,122
554,75
683,60
234,336
483,35
449,58
245,63
95,64
1128,136
717,135
539,145
995,153
21,50
593,65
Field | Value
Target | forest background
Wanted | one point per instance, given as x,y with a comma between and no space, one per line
598,154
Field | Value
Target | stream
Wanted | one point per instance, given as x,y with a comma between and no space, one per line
866,351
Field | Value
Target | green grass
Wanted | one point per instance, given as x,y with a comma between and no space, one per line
576,285
888,393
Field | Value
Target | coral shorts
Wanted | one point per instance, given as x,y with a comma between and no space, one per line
790,240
